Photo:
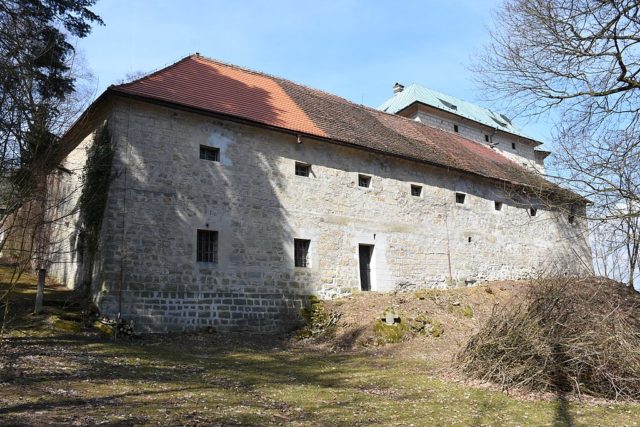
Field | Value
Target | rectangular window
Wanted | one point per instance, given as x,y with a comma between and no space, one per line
497,206
460,198
513,145
486,138
533,211
364,181
302,169
207,250
301,252
416,190
572,215
209,153
455,128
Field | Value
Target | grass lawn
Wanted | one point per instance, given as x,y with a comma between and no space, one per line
49,375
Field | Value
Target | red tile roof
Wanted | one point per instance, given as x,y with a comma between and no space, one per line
214,87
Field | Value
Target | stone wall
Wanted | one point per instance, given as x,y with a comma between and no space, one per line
65,188
163,193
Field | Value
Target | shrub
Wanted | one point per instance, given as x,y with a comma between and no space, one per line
317,318
567,336
386,334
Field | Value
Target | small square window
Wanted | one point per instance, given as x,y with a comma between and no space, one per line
416,190
301,252
302,169
460,198
455,128
486,138
497,206
364,181
209,153
533,211
207,250
513,145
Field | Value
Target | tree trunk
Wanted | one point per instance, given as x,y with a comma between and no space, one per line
42,273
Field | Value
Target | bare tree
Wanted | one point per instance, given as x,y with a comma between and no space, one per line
38,97
579,59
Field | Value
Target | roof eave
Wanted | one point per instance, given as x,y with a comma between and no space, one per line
85,123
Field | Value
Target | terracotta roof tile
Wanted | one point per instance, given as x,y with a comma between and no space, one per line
216,87
203,84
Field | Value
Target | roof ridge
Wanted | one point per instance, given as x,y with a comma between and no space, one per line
154,72
272,76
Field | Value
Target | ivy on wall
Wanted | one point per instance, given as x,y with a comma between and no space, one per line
96,179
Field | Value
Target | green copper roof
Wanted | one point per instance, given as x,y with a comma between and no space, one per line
417,93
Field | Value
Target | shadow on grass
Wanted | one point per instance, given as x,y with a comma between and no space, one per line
227,370
562,416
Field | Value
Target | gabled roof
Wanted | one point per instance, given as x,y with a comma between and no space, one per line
213,87
417,93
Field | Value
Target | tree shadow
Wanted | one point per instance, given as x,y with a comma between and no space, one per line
561,383
166,372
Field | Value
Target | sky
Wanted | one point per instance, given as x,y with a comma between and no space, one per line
354,49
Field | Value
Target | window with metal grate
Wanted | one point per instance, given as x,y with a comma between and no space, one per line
209,153
207,246
301,252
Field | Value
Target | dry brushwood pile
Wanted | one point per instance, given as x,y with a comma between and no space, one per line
578,336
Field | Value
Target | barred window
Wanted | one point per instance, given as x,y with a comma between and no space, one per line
209,153
301,252
497,206
460,198
207,246
533,211
302,169
364,181
416,190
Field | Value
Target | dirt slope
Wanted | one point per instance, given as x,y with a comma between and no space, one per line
461,312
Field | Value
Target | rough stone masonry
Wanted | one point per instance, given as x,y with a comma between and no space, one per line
162,193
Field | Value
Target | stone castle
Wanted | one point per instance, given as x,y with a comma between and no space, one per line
235,195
